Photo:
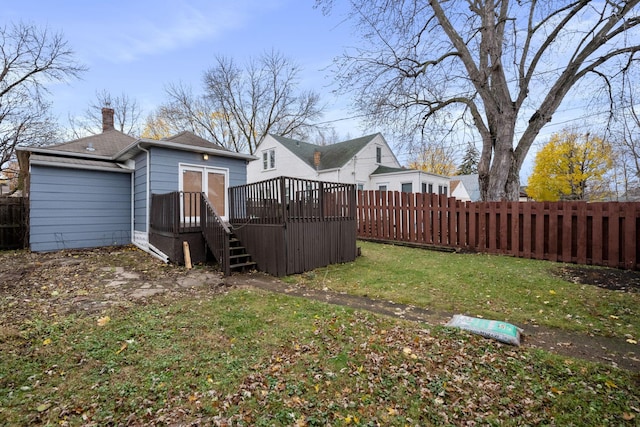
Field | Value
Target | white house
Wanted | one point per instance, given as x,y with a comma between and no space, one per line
367,162
465,188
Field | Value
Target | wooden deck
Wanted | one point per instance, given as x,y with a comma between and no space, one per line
285,225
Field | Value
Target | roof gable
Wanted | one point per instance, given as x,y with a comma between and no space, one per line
193,140
471,184
331,156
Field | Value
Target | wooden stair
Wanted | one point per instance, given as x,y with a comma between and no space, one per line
239,259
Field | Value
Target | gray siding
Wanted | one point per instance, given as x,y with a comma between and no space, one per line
140,193
73,208
165,167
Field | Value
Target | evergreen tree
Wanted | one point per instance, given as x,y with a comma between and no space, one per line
470,160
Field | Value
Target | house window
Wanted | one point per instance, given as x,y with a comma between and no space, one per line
442,189
360,186
382,187
430,188
378,154
407,187
269,159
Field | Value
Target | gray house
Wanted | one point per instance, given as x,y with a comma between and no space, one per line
96,191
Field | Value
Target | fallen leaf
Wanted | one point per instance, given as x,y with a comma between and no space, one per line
552,292
627,416
47,341
103,320
43,407
610,384
632,341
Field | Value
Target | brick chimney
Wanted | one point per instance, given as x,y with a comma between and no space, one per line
316,159
107,119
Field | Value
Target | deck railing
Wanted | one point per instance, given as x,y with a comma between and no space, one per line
216,233
283,199
176,212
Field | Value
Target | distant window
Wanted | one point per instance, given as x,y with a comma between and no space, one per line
430,188
424,187
442,189
269,159
360,186
407,187
445,191
379,155
382,187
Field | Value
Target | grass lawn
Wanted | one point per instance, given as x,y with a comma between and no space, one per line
517,290
255,358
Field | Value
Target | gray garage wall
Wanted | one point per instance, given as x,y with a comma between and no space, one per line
75,208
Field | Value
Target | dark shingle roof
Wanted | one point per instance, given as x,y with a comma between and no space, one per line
387,169
331,156
105,144
188,138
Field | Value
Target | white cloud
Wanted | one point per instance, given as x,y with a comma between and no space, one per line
145,31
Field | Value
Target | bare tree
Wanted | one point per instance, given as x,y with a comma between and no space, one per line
239,106
259,99
624,127
30,58
127,115
502,67
186,110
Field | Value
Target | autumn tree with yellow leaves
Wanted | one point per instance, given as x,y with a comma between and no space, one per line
571,166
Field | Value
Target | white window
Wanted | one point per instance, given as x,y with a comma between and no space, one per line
378,154
407,187
382,187
360,186
269,159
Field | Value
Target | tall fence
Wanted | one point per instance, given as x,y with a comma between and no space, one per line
604,234
13,222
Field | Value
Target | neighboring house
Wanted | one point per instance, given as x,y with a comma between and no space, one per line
96,191
465,188
368,162
4,186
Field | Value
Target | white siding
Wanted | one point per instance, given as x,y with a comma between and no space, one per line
287,164
394,181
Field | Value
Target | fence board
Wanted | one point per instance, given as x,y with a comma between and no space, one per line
585,233
14,214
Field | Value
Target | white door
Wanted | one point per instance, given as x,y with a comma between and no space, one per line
212,181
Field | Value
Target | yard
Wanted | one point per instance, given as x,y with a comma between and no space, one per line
113,336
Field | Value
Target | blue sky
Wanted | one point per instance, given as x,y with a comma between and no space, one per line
137,47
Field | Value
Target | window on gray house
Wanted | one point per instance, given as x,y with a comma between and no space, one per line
378,154
382,187
407,187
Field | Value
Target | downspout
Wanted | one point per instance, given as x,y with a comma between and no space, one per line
148,201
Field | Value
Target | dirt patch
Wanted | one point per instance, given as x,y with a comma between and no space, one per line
91,281
607,278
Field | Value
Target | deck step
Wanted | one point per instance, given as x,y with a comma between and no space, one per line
242,265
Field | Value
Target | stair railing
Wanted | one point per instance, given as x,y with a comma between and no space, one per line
216,233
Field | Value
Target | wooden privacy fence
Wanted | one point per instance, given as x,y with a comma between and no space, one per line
13,222
604,234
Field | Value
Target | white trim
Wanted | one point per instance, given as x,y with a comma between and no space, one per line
141,239
205,171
